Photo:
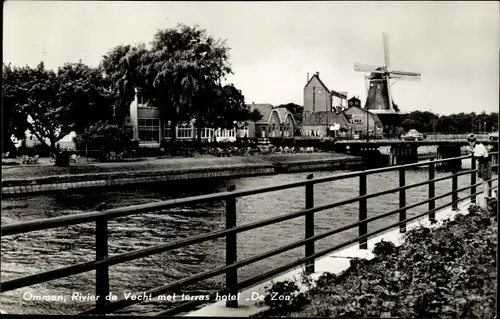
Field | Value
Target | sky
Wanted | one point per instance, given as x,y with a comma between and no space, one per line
455,45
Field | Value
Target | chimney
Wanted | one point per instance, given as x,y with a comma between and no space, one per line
307,77
317,74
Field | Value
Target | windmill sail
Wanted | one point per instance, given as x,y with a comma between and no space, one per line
385,37
359,67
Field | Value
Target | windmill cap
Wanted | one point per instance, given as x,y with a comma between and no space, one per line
471,138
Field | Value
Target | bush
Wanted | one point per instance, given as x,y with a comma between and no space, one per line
447,272
284,297
384,248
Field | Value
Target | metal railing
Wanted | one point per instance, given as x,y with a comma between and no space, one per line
102,262
452,136
426,136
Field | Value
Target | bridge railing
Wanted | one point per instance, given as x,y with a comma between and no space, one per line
451,136
427,136
103,261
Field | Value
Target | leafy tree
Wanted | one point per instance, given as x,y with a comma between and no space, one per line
185,66
104,135
296,110
13,121
51,105
123,66
232,110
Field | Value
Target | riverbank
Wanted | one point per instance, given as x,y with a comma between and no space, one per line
46,178
461,251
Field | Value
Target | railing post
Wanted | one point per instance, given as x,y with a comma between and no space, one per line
473,179
454,187
402,199
102,272
432,192
231,248
309,247
363,228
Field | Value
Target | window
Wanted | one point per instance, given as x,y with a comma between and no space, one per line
314,98
149,130
378,86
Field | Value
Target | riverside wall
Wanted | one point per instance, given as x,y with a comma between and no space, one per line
53,184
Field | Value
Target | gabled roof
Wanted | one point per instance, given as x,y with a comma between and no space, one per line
332,92
375,116
325,118
321,82
267,110
282,114
354,98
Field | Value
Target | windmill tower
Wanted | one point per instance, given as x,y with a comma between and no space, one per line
378,98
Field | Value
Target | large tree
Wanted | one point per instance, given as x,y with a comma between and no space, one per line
231,110
122,65
53,104
13,121
183,71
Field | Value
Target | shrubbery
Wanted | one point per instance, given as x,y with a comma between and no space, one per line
449,272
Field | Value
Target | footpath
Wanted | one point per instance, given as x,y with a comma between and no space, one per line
45,177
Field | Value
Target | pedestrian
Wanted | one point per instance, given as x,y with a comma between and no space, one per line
484,163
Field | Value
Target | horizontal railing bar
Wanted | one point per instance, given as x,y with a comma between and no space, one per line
211,273
263,277
54,222
109,261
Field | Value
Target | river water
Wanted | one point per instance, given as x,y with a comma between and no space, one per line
39,251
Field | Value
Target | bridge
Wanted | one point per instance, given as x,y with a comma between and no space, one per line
103,261
403,151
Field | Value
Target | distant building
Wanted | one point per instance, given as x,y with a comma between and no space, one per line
322,123
354,101
275,122
318,98
358,117
146,126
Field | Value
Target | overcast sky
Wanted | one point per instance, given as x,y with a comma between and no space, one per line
455,45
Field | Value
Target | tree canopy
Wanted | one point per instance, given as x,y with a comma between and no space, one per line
53,104
453,123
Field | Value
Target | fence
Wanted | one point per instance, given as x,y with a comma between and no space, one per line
103,261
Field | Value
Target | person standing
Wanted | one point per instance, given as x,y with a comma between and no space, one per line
484,163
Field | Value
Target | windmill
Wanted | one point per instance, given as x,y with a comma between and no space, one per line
378,97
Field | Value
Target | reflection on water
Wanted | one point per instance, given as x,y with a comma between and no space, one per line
30,253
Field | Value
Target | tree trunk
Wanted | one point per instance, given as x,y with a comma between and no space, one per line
173,130
62,159
199,135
